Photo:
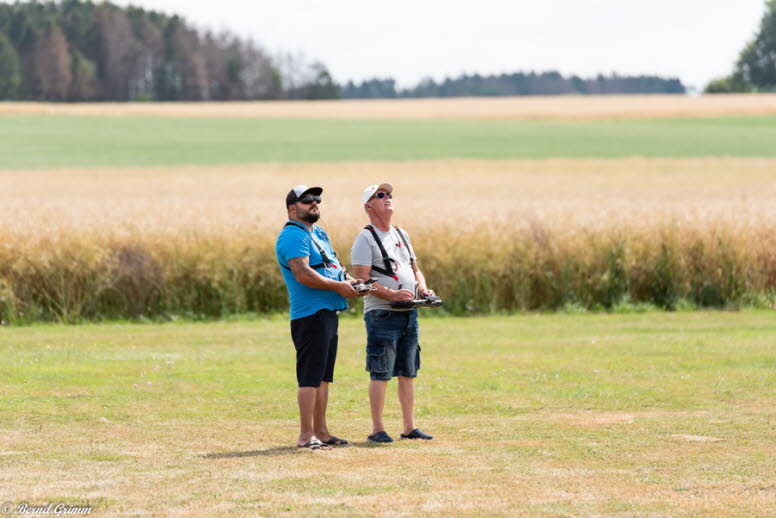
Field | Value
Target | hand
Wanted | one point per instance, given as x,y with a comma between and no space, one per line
427,293
353,282
345,289
402,295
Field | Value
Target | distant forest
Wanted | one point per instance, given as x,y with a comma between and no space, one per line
520,83
77,50
80,51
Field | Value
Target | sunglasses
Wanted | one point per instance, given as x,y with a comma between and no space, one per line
307,200
381,195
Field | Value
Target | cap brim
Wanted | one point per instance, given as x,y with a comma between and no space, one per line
385,187
316,191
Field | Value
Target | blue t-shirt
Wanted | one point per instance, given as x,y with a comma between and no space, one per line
296,241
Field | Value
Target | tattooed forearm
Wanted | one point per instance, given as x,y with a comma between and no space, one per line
300,267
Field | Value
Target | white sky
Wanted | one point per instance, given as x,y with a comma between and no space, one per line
694,40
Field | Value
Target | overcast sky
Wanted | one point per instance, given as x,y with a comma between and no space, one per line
694,40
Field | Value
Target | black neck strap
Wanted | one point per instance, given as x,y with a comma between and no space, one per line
327,263
388,270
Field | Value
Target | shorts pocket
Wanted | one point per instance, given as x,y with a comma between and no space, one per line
379,315
377,360
417,358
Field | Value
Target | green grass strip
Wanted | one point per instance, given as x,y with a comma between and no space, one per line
46,142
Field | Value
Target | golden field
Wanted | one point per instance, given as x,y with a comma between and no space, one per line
488,108
572,193
491,235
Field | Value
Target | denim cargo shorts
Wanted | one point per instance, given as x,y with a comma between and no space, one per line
392,347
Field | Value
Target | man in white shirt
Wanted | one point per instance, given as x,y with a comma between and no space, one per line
384,252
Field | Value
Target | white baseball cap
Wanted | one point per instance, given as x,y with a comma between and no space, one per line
372,189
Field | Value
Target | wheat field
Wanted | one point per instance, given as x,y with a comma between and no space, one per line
556,192
519,234
489,108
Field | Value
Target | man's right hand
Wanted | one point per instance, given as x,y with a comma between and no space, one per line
402,295
345,289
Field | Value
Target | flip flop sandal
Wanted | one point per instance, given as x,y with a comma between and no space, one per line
313,444
336,441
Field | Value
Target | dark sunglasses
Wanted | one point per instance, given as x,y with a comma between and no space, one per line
381,195
307,200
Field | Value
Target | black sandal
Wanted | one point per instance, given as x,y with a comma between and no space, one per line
336,441
417,433
380,437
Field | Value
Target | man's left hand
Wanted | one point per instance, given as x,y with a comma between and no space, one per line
353,283
427,293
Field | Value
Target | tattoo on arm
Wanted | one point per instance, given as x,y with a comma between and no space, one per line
300,267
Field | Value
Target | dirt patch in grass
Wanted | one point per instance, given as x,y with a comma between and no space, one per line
696,438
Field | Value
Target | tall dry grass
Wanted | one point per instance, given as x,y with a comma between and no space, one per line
490,235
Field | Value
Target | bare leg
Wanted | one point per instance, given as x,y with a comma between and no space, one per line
306,398
319,416
376,404
407,400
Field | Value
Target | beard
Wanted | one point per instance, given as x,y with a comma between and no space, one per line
311,218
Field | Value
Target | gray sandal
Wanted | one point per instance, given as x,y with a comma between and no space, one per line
314,444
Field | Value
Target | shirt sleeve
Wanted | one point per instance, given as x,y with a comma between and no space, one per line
292,245
361,253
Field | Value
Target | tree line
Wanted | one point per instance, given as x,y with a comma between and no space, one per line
519,83
77,50
81,51
755,70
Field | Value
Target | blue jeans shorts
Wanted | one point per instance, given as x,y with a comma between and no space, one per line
392,347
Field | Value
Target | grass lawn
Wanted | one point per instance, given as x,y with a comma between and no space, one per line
641,414
47,141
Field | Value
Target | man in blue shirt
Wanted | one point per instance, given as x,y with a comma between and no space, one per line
318,287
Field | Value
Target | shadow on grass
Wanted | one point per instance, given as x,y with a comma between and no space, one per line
278,451
269,452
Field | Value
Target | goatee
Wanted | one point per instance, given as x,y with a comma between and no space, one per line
311,218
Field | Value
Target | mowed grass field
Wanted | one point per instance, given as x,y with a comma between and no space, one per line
652,414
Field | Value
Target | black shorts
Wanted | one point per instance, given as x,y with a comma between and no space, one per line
315,339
